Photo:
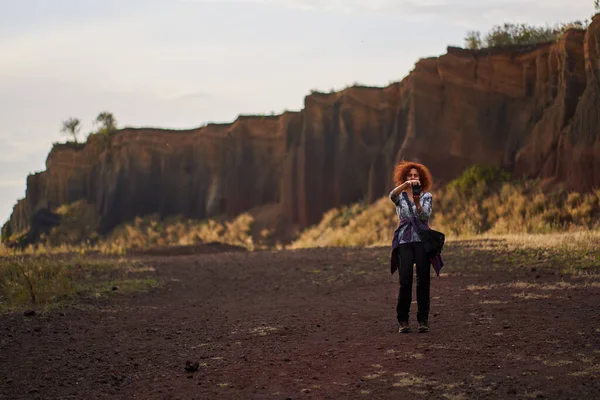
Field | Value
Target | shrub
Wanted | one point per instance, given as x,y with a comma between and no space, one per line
78,224
510,34
479,176
151,231
71,127
5,232
473,40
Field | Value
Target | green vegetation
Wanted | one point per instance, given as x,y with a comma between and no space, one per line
107,126
71,127
107,123
78,224
479,176
510,34
46,281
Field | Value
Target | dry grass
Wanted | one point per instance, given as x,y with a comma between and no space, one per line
569,241
151,231
530,296
576,248
416,384
494,302
43,281
482,204
591,282
556,286
577,253
405,379
362,225
355,225
478,288
142,233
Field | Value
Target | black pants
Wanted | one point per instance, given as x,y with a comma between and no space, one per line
409,254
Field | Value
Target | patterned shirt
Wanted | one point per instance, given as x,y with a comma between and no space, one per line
404,215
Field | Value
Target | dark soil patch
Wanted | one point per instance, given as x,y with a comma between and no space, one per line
316,323
204,248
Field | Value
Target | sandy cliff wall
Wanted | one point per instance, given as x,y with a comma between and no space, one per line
533,110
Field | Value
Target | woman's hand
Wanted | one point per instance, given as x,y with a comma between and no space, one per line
405,185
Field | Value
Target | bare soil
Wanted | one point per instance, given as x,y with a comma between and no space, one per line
317,323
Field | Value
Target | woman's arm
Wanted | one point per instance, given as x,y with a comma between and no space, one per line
396,191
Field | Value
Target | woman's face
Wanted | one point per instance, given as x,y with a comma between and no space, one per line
413,175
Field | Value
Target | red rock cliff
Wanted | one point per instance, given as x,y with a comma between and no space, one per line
533,110
220,168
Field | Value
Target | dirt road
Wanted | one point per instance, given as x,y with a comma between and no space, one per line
317,323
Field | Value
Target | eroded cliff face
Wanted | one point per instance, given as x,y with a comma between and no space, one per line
532,110
218,169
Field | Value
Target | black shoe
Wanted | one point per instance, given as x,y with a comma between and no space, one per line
423,327
404,327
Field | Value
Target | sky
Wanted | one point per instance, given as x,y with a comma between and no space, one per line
183,63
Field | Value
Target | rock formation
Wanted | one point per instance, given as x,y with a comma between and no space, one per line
533,110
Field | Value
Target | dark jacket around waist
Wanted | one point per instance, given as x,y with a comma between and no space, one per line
414,223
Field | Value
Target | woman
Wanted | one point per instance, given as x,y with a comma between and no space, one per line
407,248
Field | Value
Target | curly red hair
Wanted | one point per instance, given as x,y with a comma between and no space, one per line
404,168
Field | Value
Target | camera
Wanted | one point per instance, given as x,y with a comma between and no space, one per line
416,190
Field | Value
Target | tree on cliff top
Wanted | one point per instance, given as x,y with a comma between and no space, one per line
473,40
71,127
107,122
519,34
